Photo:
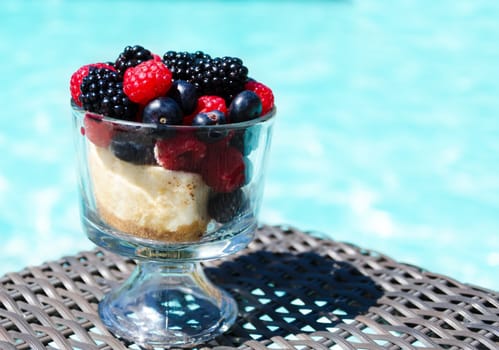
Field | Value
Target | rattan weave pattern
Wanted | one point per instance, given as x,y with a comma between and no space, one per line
294,291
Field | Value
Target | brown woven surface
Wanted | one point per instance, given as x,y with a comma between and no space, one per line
293,291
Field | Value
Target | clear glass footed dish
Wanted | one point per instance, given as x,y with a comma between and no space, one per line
170,196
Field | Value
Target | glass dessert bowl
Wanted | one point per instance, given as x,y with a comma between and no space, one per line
169,196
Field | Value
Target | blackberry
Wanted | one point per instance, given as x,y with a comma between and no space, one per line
181,63
130,57
102,93
223,207
220,76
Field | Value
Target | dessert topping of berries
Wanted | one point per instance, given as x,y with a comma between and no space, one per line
196,81
146,81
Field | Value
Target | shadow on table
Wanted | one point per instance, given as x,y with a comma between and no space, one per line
281,293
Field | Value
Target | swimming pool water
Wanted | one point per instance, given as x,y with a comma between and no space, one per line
387,134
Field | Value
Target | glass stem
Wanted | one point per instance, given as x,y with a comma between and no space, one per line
168,303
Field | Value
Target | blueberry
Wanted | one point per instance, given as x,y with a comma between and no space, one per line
246,140
135,148
215,117
237,141
245,106
185,94
210,119
162,111
223,207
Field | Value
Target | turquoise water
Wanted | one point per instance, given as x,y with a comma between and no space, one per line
388,118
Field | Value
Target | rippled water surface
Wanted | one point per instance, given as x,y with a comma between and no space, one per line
388,112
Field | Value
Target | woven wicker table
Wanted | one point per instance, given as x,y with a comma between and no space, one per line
293,291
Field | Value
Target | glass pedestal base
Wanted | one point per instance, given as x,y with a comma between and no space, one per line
168,304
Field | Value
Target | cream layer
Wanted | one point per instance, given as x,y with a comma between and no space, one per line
148,201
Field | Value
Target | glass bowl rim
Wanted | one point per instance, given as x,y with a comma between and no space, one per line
132,124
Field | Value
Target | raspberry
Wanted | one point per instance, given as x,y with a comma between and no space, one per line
147,81
206,104
131,57
157,58
223,168
264,92
97,131
77,78
182,152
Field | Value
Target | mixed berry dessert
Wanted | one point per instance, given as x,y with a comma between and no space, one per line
162,161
